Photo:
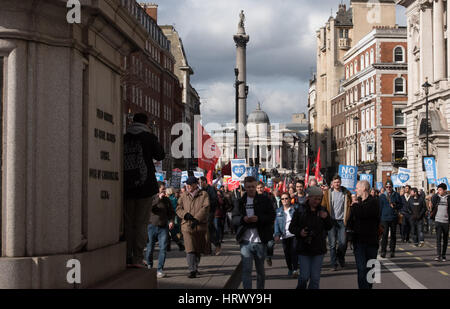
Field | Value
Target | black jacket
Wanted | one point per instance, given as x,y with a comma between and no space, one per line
304,217
152,149
435,203
364,221
263,210
418,208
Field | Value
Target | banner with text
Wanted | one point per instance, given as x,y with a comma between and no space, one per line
430,168
349,176
368,177
238,169
404,175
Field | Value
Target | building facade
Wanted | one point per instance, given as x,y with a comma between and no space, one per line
190,97
334,39
150,86
368,124
429,54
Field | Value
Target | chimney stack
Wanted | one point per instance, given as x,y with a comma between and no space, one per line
151,9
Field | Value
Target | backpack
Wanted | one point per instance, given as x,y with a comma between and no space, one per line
135,169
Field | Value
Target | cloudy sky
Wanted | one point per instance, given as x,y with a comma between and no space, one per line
280,54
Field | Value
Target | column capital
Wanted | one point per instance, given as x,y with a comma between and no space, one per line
241,40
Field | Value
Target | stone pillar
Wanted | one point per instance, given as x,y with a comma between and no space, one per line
426,43
241,39
448,40
438,41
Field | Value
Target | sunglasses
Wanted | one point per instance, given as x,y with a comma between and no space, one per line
285,199
388,187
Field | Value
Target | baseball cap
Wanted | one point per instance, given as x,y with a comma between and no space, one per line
191,180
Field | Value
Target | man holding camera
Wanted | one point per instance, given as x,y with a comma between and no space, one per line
310,224
193,208
363,231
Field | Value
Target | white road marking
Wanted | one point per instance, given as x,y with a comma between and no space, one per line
401,274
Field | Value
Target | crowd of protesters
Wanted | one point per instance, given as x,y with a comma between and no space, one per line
307,219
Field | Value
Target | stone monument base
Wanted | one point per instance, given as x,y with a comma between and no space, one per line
50,272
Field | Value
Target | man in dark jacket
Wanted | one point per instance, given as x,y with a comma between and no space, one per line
141,147
310,225
253,217
440,213
418,209
406,211
390,205
363,225
162,216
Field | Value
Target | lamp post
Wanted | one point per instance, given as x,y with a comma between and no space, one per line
356,139
426,88
236,85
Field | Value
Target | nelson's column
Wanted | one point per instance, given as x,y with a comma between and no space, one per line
241,39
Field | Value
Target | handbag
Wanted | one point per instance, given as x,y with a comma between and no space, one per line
400,218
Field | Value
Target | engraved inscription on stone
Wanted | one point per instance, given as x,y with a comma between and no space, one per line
100,134
104,155
104,195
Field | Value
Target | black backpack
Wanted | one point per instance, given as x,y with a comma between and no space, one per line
135,169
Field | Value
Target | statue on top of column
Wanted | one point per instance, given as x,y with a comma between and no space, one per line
241,27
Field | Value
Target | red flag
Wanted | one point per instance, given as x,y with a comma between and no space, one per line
209,177
208,152
318,167
284,185
307,176
226,170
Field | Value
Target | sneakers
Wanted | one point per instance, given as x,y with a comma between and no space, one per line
444,259
218,250
421,244
295,274
269,262
160,275
383,255
437,259
192,275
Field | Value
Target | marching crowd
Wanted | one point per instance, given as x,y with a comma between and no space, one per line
304,218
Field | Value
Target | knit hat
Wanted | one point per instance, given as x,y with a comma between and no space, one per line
389,182
191,180
314,191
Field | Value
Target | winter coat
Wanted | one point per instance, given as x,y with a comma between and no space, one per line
327,202
263,210
364,221
406,207
435,204
152,149
161,212
316,243
387,212
195,240
418,210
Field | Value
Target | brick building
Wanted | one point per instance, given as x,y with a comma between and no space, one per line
150,86
368,124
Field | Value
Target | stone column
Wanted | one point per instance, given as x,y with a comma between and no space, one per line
426,43
438,40
448,40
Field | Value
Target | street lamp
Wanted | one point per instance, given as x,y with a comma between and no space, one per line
356,139
426,88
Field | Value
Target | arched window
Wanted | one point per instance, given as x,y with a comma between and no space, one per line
367,59
351,96
363,89
362,62
367,88
346,73
356,66
372,85
372,56
356,94
351,69
399,85
399,54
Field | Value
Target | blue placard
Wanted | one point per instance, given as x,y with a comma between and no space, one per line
379,185
404,175
430,168
238,169
184,177
395,181
349,176
269,183
368,177
159,177
261,178
442,180
251,171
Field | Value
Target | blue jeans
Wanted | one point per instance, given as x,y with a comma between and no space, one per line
250,252
160,234
364,253
218,226
337,233
310,267
417,229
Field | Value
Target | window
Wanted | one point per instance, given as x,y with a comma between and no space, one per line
372,56
351,69
399,85
356,94
351,96
363,121
362,62
399,149
372,117
367,88
399,117
372,85
356,66
399,54
346,73
367,59
367,119
363,89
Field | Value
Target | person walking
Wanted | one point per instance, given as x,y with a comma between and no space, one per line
363,231
418,209
301,194
213,201
390,204
253,217
141,147
161,220
260,189
406,211
440,213
282,222
337,201
173,233
193,208
219,221
310,224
